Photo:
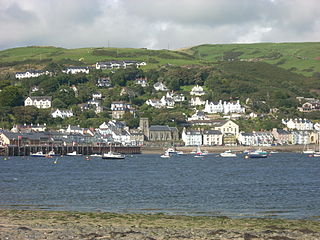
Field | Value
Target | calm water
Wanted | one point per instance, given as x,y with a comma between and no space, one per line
284,185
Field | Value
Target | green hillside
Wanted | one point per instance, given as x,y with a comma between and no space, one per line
303,58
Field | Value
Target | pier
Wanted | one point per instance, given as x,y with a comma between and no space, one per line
63,150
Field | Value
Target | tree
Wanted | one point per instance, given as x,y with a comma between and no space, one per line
11,96
27,114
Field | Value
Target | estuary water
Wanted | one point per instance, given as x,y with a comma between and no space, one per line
284,185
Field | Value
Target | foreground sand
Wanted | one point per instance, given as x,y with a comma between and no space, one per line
18,225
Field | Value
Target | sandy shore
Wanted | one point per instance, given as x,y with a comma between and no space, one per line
21,225
219,149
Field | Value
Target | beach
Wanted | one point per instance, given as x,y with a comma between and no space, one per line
25,224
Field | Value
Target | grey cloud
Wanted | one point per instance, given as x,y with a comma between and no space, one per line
155,23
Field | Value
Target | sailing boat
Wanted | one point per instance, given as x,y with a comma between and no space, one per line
112,155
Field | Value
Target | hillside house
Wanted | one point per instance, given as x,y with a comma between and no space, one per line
38,101
76,70
62,113
31,74
159,86
197,91
223,107
196,101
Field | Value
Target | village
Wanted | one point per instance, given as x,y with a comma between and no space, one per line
210,124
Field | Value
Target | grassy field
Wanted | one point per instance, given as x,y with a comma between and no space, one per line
304,57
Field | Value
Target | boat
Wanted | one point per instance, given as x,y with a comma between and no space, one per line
307,150
228,153
200,153
113,155
52,153
165,155
74,153
96,155
38,154
173,151
257,154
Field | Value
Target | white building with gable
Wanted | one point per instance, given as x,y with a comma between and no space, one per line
39,101
223,107
62,113
197,91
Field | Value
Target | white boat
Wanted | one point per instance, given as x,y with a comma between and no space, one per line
52,153
37,154
165,155
228,153
96,155
74,153
173,151
113,155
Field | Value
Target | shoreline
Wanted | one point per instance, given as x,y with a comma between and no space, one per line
220,149
28,224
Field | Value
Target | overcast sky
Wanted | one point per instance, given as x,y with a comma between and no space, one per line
156,24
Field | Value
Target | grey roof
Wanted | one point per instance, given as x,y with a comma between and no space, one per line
193,132
40,98
212,132
159,128
284,132
31,135
247,134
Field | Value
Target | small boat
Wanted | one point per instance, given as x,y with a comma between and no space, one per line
199,152
113,155
165,155
96,155
257,154
37,154
52,153
173,151
228,153
74,153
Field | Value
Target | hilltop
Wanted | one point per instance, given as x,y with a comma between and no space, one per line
301,58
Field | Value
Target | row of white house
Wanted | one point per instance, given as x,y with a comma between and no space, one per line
167,101
298,124
119,64
224,107
31,74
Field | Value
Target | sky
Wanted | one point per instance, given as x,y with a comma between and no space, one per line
156,24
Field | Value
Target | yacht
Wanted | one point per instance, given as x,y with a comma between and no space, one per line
228,154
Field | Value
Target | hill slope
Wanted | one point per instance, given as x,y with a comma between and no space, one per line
303,58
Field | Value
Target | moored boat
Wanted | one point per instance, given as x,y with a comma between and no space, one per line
74,153
38,154
113,155
228,153
257,154
166,155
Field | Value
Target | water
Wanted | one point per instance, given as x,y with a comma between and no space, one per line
283,185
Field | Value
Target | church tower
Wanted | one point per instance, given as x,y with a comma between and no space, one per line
144,126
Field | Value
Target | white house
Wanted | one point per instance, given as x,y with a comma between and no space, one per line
197,91
96,96
119,64
224,107
76,70
143,82
246,139
39,102
191,137
159,86
62,113
298,124
212,138
300,137
263,138
198,115
226,127
31,74
156,103
196,101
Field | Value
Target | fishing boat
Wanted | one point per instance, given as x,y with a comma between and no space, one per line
257,154
228,153
38,154
113,155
